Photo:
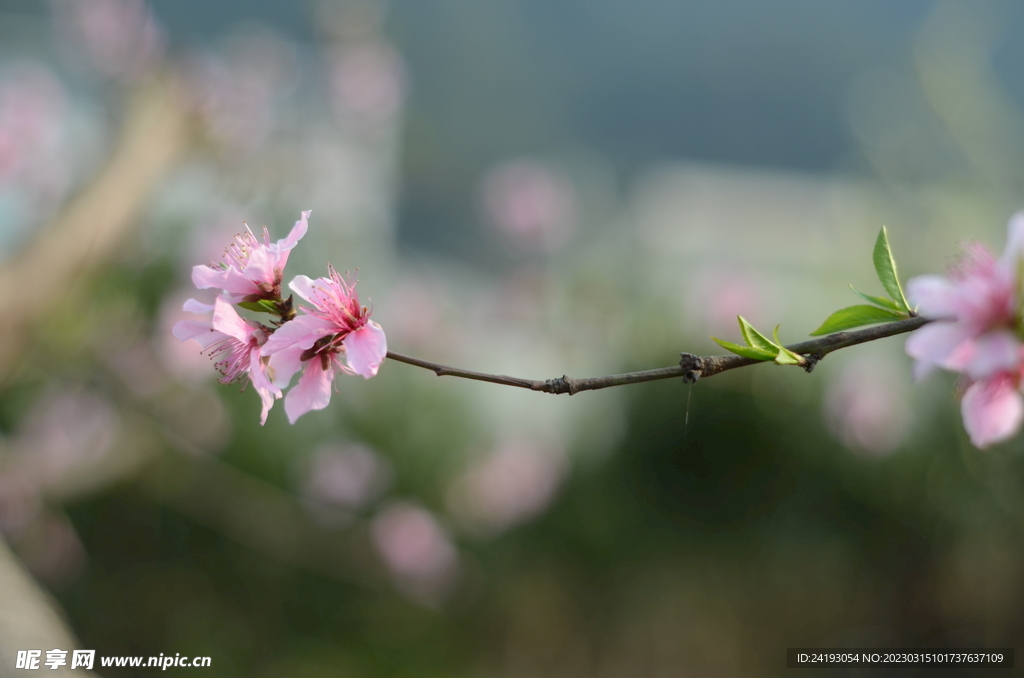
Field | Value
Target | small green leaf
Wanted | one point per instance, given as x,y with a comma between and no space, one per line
785,356
755,338
855,316
745,351
261,306
885,267
877,301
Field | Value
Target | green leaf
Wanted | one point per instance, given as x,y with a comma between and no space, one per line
855,316
785,356
745,351
261,306
885,267
877,301
755,338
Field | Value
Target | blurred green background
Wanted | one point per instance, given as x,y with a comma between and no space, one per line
528,188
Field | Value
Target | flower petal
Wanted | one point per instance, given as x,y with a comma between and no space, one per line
298,230
934,296
193,306
991,353
268,392
262,266
284,246
195,329
283,364
365,349
992,410
306,287
302,331
313,392
1014,250
228,279
227,320
934,343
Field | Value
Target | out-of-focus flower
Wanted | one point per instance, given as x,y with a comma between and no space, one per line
530,204
344,476
35,160
251,270
336,325
119,38
714,296
234,92
416,549
866,407
235,345
977,332
66,429
510,485
367,81
32,103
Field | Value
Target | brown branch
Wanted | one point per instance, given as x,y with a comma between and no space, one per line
690,367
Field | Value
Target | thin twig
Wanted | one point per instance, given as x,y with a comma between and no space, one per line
690,367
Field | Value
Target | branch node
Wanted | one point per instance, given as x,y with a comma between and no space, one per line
563,384
812,361
693,365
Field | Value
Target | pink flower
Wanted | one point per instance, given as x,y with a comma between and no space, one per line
251,270
234,343
336,325
977,331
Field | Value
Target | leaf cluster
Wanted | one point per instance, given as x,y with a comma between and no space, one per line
759,347
878,310
881,309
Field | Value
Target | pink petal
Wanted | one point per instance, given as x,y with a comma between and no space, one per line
302,331
934,343
228,279
365,349
268,392
1014,250
298,230
227,320
992,352
306,287
934,296
285,245
313,392
262,266
193,329
285,363
193,306
992,410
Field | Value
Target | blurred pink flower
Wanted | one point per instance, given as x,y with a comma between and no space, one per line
715,295
235,344
367,80
976,332
119,38
346,476
336,324
510,485
416,549
251,270
32,103
35,160
234,92
866,407
530,204
66,430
